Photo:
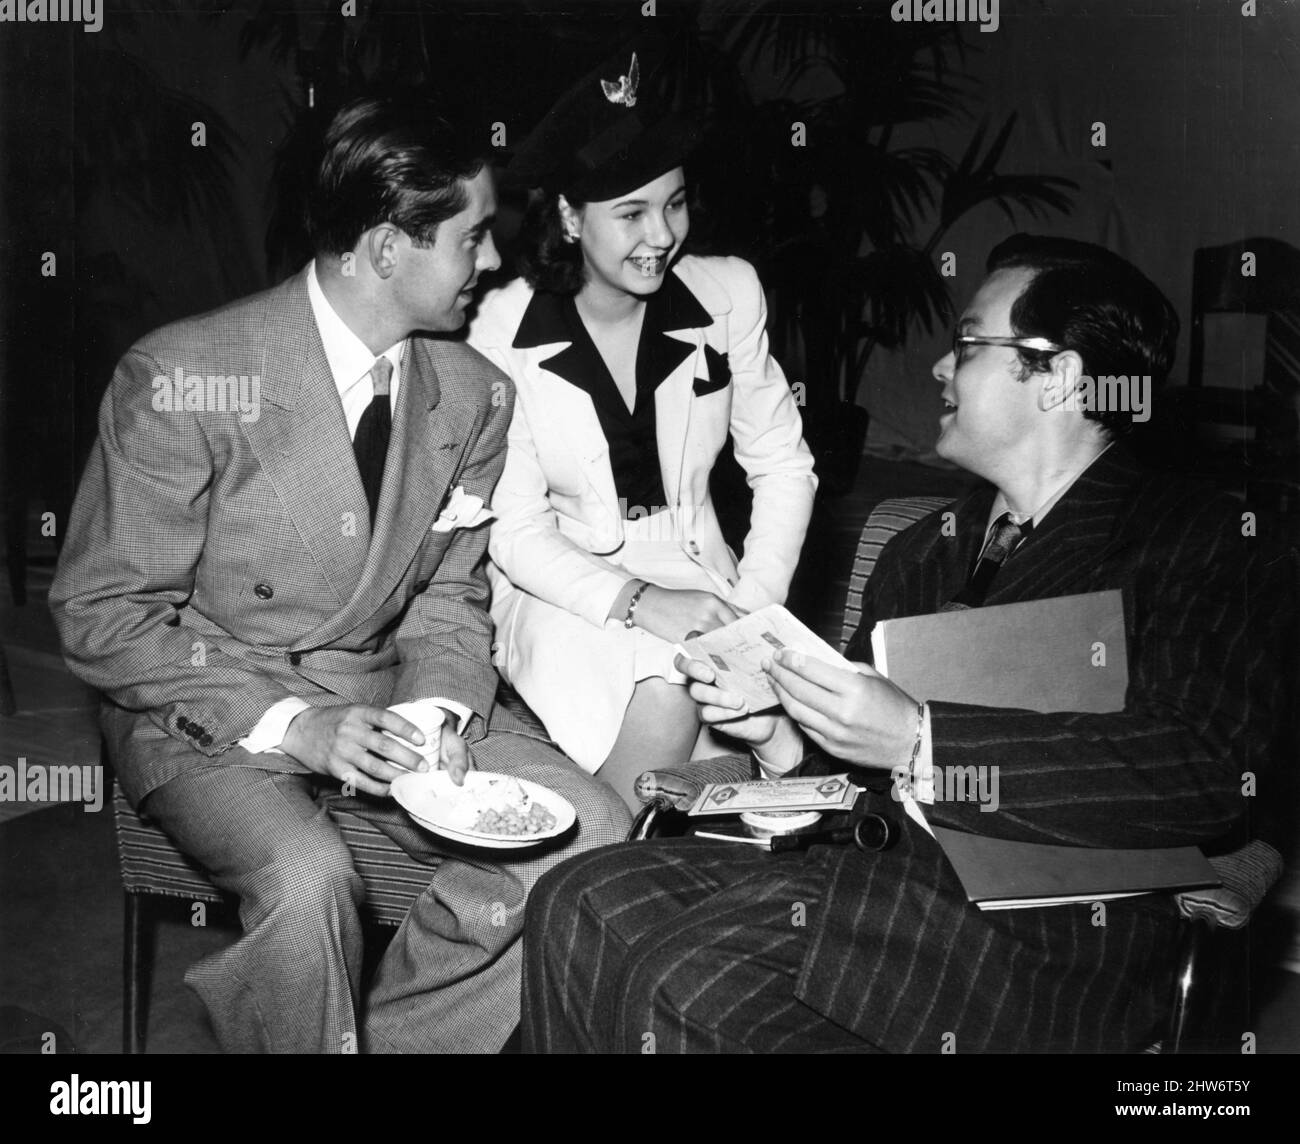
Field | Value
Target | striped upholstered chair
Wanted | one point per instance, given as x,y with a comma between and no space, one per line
154,870
1247,874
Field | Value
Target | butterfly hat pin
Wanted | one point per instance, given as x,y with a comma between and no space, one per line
624,90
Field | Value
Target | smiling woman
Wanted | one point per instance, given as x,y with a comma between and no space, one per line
627,243
633,362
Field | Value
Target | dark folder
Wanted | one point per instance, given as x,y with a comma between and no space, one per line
1029,656
999,875
1012,655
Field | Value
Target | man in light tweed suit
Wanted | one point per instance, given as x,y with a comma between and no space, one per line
714,946
252,583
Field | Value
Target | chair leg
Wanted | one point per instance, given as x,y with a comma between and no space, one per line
133,1013
1185,979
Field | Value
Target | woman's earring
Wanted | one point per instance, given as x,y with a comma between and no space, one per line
570,236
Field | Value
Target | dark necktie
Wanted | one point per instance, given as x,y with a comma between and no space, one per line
1002,541
373,430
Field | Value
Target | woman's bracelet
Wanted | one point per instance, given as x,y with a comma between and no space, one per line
632,603
916,747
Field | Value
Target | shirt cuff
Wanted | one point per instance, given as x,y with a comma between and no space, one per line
271,728
463,714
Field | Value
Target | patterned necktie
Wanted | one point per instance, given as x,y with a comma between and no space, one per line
1002,541
370,445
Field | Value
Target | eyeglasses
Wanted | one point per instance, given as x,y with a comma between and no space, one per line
961,341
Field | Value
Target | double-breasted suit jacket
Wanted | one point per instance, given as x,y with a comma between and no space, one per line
220,559
557,504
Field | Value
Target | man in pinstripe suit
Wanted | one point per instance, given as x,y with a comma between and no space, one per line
252,586
697,945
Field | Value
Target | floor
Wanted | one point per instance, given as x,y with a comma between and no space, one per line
61,901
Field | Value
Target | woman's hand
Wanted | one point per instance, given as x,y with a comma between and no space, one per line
726,710
675,614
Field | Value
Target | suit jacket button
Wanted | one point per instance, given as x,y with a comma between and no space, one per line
182,723
263,591
205,740
295,658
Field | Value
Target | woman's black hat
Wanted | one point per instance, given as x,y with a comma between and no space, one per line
608,134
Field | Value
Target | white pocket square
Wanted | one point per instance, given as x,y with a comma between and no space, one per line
462,511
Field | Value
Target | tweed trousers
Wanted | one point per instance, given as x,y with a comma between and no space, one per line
449,980
678,945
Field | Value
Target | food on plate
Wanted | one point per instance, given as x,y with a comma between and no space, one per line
506,809
509,821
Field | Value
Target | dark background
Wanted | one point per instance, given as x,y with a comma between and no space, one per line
921,140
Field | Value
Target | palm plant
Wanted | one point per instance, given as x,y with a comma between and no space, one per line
851,225
900,284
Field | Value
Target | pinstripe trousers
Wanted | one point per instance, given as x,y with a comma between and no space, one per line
449,981
676,945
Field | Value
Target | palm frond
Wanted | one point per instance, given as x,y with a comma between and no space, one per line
900,286
975,180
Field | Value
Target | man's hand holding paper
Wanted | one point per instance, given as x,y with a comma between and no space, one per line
769,658
858,717
740,651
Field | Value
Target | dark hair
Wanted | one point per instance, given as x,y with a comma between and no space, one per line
388,160
1092,301
547,261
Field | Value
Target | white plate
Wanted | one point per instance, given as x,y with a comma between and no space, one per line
436,803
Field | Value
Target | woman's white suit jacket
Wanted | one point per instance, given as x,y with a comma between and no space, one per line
556,504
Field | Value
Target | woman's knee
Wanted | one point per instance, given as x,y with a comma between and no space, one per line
658,699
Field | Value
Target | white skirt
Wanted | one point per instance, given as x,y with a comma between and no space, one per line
579,678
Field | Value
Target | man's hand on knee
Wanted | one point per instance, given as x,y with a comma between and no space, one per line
349,744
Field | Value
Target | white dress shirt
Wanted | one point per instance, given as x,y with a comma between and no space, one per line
350,363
